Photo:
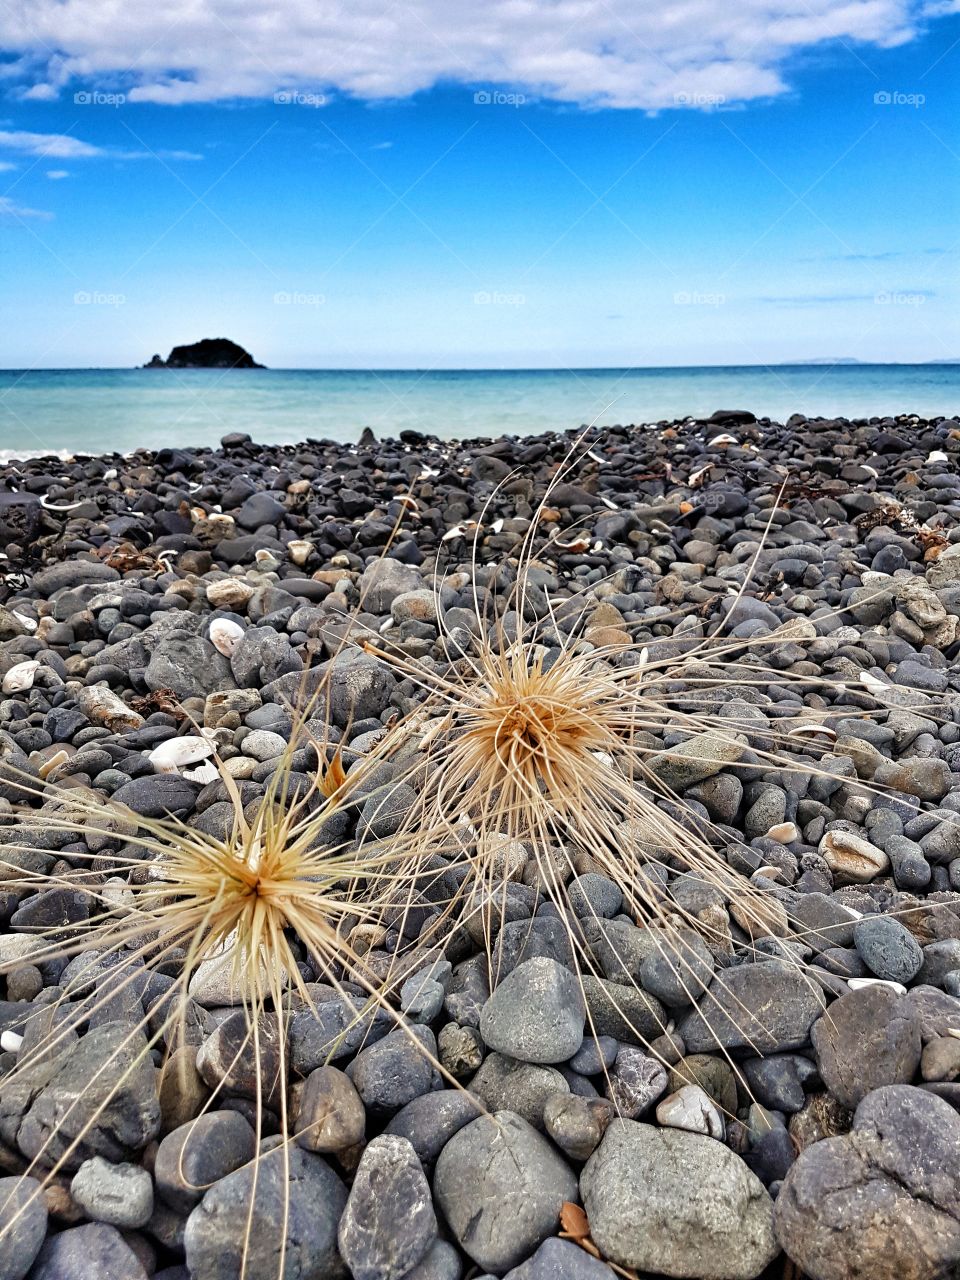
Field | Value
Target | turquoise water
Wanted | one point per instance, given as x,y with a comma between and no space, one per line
105,410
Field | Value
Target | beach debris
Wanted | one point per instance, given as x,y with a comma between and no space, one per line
722,440
225,635
20,676
169,756
460,530
699,476
58,506
299,550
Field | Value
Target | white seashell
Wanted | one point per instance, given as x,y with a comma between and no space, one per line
206,772
596,457
725,438
30,623
953,1031
697,477
801,730
225,635
611,506
299,550
110,474
20,677
427,473
870,471
857,984
937,455
385,626
58,758
873,684
62,506
497,526
168,757
10,1041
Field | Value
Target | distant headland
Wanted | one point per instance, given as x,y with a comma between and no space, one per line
208,353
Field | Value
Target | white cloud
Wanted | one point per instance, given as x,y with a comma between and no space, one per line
63,146
55,146
40,93
57,174
10,209
618,53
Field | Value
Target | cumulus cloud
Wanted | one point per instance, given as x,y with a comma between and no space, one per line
619,54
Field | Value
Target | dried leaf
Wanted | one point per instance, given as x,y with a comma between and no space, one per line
573,1222
334,776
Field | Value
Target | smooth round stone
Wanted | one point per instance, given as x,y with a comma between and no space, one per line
678,1204
536,1014
501,1185
200,1153
262,745
596,1054
635,1081
93,1250
331,1116
679,970
577,1124
118,1194
887,948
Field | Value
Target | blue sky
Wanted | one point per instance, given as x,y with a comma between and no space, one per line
558,194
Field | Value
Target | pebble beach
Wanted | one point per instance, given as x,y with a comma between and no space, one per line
824,1134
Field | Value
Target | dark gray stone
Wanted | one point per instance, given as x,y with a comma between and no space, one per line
389,1224
866,1039
430,1121
887,948
769,1006
536,1013
199,1153
23,1225
501,1185
881,1201
91,1250
389,1074
219,1246
677,1203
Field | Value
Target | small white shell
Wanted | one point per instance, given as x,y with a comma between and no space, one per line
596,457
385,626
497,526
427,473
110,474
299,550
725,438
802,730
61,506
937,455
205,772
30,623
168,757
10,1041
873,685
611,506
871,471
697,477
857,984
225,635
20,677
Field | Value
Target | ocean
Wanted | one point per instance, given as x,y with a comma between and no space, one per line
118,410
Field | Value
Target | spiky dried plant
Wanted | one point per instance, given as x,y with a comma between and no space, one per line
581,750
249,913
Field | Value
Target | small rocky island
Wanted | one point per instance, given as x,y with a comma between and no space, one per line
208,353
